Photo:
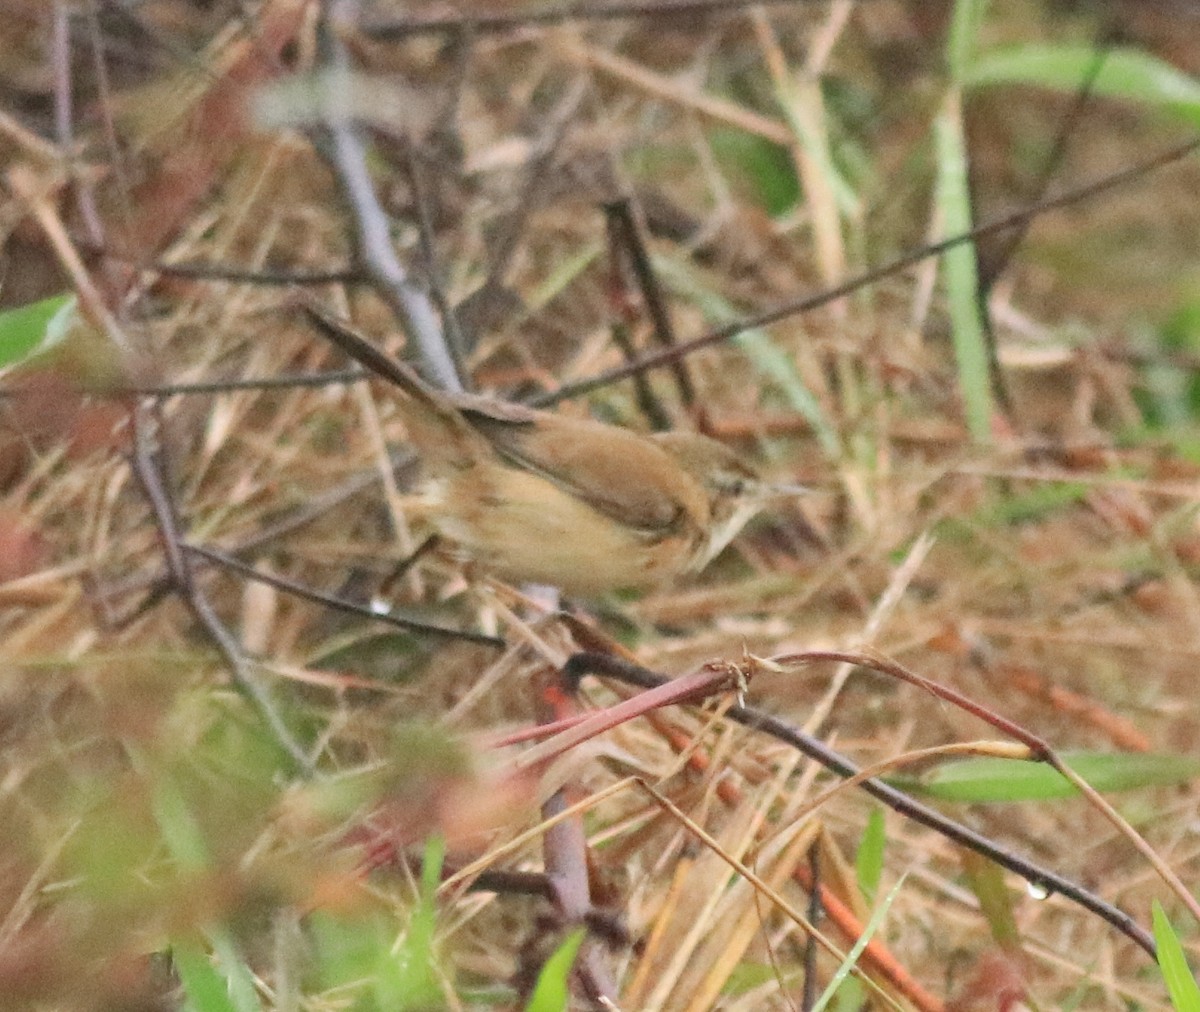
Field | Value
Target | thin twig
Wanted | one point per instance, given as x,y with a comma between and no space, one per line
36,190
339,604
1039,749
149,473
287,381
342,145
876,956
627,237
64,116
787,909
478,306
158,584
803,304
420,201
246,276
993,262
897,800
583,10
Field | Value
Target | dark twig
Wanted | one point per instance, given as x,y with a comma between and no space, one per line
64,118
340,333
61,61
583,10
340,604
342,145
405,565
242,275
117,161
1112,352
908,806
158,584
148,470
420,201
628,234
993,262
647,400
541,158
992,265
1037,747
803,304
809,996
284,382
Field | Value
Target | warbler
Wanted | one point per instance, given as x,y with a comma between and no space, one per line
532,496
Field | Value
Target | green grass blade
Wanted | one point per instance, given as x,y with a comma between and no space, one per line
960,270
1177,975
990,780
184,838
552,991
817,148
964,30
1126,74
952,194
986,880
852,957
868,861
417,958
768,358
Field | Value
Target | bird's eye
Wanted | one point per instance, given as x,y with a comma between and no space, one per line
737,486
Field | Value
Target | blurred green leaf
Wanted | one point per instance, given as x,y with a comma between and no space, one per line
351,953
34,327
960,270
1034,504
961,39
746,976
360,953
417,957
204,988
1169,396
851,996
239,978
565,271
764,167
184,837
180,829
987,779
987,882
551,993
1177,975
1126,73
868,861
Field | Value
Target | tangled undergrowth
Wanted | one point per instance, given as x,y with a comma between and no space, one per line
220,794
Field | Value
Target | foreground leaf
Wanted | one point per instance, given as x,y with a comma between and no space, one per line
30,328
551,993
990,779
1181,984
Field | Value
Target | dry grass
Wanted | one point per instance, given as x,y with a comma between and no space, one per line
1049,574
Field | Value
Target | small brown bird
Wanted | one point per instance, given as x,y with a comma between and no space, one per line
536,497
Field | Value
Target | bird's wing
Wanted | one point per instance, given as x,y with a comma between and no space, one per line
617,472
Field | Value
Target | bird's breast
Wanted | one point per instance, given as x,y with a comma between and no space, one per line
523,527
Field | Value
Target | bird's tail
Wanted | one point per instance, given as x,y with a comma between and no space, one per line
434,423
